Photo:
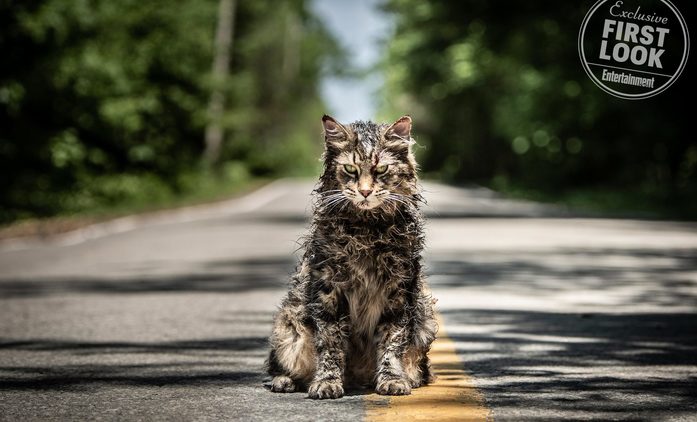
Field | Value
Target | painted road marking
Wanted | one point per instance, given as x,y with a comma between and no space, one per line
247,203
452,397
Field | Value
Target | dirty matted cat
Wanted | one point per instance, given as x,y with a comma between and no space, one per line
358,311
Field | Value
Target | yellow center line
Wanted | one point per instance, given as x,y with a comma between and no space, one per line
452,397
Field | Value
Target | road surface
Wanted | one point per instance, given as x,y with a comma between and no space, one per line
547,316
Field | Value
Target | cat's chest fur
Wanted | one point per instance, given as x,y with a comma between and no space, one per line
366,297
369,255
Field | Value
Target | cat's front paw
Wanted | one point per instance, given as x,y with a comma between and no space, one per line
282,384
326,389
393,387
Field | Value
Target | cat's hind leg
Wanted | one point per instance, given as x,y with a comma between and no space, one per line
415,362
417,367
292,358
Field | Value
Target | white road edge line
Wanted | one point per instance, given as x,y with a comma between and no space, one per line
244,204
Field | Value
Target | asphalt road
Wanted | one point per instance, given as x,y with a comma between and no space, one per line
166,317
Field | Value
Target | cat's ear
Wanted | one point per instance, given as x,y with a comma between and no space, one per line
400,131
334,131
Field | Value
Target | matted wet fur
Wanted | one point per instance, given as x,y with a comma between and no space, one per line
358,311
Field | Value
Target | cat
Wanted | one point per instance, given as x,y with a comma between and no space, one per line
358,310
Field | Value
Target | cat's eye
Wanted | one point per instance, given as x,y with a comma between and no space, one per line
350,169
381,169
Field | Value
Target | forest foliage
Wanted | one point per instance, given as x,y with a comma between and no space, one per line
500,98
104,101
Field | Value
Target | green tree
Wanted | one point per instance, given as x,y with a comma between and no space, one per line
102,101
501,97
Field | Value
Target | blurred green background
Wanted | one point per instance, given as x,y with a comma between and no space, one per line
104,104
501,99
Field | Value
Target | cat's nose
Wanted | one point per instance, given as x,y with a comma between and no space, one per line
365,192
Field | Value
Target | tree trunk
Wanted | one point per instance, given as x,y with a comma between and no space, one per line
221,69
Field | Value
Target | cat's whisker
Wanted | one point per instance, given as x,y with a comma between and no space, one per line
398,199
335,203
330,198
331,192
332,204
400,213
407,200
396,208
325,195
328,194
328,204
344,206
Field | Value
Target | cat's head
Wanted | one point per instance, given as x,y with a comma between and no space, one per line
368,166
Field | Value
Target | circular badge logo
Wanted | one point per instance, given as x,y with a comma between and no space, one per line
633,49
